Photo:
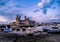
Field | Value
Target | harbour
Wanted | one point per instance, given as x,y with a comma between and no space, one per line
29,31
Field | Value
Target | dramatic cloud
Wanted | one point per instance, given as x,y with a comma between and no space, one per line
47,10
3,2
45,4
52,15
9,9
58,1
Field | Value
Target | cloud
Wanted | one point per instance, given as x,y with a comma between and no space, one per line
38,16
4,19
47,4
3,2
9,9
55,19
58,1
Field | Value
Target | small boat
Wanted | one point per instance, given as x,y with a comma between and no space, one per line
7,29
52,30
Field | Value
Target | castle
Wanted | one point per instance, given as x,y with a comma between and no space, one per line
19,21
23,23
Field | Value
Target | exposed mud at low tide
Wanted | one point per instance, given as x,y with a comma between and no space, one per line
15,38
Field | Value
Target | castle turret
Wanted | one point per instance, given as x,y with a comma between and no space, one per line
18,20
26,21
25,18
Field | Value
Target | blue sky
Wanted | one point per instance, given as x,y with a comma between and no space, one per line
38,10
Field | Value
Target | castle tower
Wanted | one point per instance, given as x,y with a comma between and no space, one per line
26,21
25,18
17,19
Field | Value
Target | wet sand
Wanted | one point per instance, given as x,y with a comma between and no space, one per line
43,38
54,38
16,38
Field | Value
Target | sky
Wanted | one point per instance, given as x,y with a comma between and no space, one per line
37,10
